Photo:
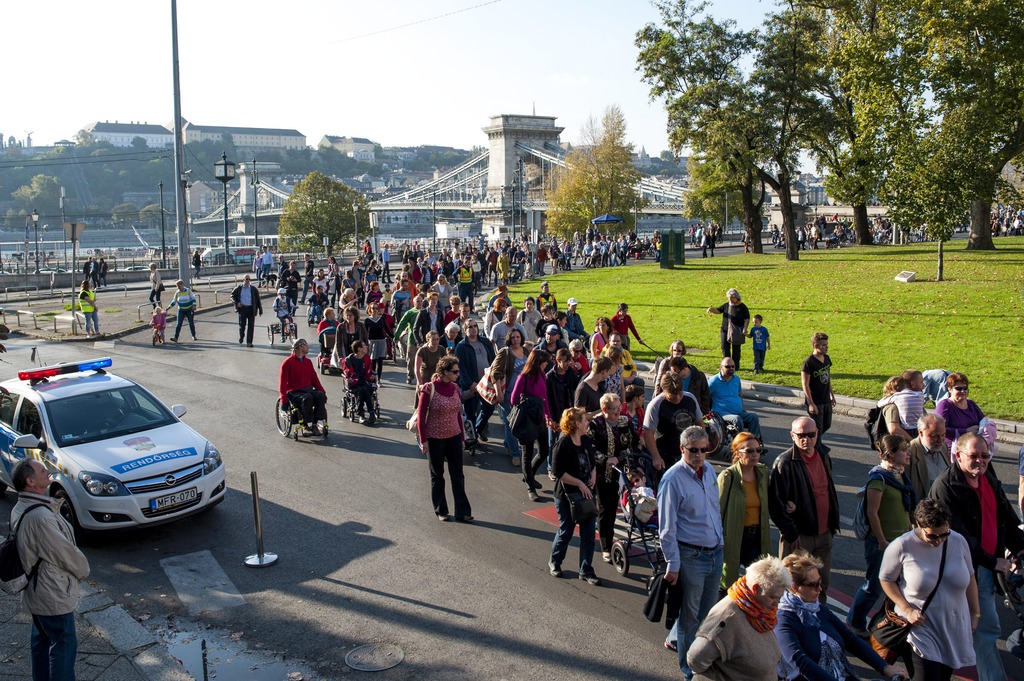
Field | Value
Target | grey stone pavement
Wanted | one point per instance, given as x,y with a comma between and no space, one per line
112,645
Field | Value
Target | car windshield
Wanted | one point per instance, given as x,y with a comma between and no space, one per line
106,414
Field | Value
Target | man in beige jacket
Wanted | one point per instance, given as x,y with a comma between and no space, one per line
46,544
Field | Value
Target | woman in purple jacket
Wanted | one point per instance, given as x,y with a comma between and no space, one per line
533,383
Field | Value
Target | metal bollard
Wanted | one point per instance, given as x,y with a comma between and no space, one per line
260,558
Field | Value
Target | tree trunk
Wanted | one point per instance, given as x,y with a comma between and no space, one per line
860,224
751,218
788,224
980,238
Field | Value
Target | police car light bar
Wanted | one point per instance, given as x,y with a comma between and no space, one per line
66,368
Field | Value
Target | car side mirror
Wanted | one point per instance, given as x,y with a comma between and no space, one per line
179,410
27,442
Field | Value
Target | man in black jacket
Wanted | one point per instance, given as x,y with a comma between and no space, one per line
981,512
802,499
247,304
430,318
475,356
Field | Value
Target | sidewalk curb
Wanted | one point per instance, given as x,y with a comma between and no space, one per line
1009,432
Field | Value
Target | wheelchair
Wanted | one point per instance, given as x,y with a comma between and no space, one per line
287,332
350,404
314,315
288,416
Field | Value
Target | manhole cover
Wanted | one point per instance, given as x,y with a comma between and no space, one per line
375,657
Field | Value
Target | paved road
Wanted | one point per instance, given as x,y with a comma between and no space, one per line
362,558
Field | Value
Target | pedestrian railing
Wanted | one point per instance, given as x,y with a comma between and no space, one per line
19,289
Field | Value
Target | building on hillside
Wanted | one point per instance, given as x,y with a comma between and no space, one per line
123,134
359,148
246,140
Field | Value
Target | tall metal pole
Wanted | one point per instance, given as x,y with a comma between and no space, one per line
35,225
181,217
355,225
255,205
62,221
163,236
226,249
433,220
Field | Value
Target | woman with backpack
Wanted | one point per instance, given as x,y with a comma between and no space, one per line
888,504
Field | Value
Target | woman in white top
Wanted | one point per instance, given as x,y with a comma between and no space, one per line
444,292
155,285
940,639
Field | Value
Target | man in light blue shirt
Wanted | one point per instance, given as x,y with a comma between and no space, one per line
725,399
691,536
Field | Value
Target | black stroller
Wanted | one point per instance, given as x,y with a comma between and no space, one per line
641,518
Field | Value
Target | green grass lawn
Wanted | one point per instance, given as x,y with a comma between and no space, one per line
877,327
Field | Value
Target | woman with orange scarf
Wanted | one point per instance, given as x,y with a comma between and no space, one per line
736,640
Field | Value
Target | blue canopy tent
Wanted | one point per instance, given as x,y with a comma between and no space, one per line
606,219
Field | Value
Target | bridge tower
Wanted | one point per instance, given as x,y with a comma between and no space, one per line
504,131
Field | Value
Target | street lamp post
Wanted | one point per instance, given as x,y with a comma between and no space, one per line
355,225
514,182
255,183
62,221
35,225
224,170
163,236
433,222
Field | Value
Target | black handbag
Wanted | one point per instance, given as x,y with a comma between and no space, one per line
654,606
582,510
889,631
523,421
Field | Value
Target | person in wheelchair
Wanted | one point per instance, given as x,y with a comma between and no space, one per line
361,382
299,385
317,304
284,310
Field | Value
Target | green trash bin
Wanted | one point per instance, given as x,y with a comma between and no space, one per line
680,246
668,256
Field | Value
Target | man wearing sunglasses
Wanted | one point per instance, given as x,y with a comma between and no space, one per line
726,402
691,535
981,512
802,499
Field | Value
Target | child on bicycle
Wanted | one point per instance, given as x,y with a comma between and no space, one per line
284,308
159,323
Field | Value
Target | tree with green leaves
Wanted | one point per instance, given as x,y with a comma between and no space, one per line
42,193
693,62
841,142
599,178
960,66
321,207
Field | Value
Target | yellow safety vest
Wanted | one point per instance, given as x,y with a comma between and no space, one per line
465,275
86,300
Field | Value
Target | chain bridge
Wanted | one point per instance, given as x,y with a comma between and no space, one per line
504,186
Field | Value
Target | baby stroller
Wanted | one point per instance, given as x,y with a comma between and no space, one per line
642,532
323,360
1011,585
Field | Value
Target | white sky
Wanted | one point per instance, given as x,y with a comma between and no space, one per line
340,67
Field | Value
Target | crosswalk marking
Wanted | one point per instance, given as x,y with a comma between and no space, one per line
201,583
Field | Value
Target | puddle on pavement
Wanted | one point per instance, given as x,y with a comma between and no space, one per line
226,656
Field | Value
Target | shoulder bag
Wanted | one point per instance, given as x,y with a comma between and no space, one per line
490,391
411,424
734,333
582,510
888,630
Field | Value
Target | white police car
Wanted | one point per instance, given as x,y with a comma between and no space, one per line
119,457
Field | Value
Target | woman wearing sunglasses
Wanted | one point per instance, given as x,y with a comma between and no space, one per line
961,414
813,641
941,639
743,497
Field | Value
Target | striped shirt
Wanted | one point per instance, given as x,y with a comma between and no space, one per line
911,406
